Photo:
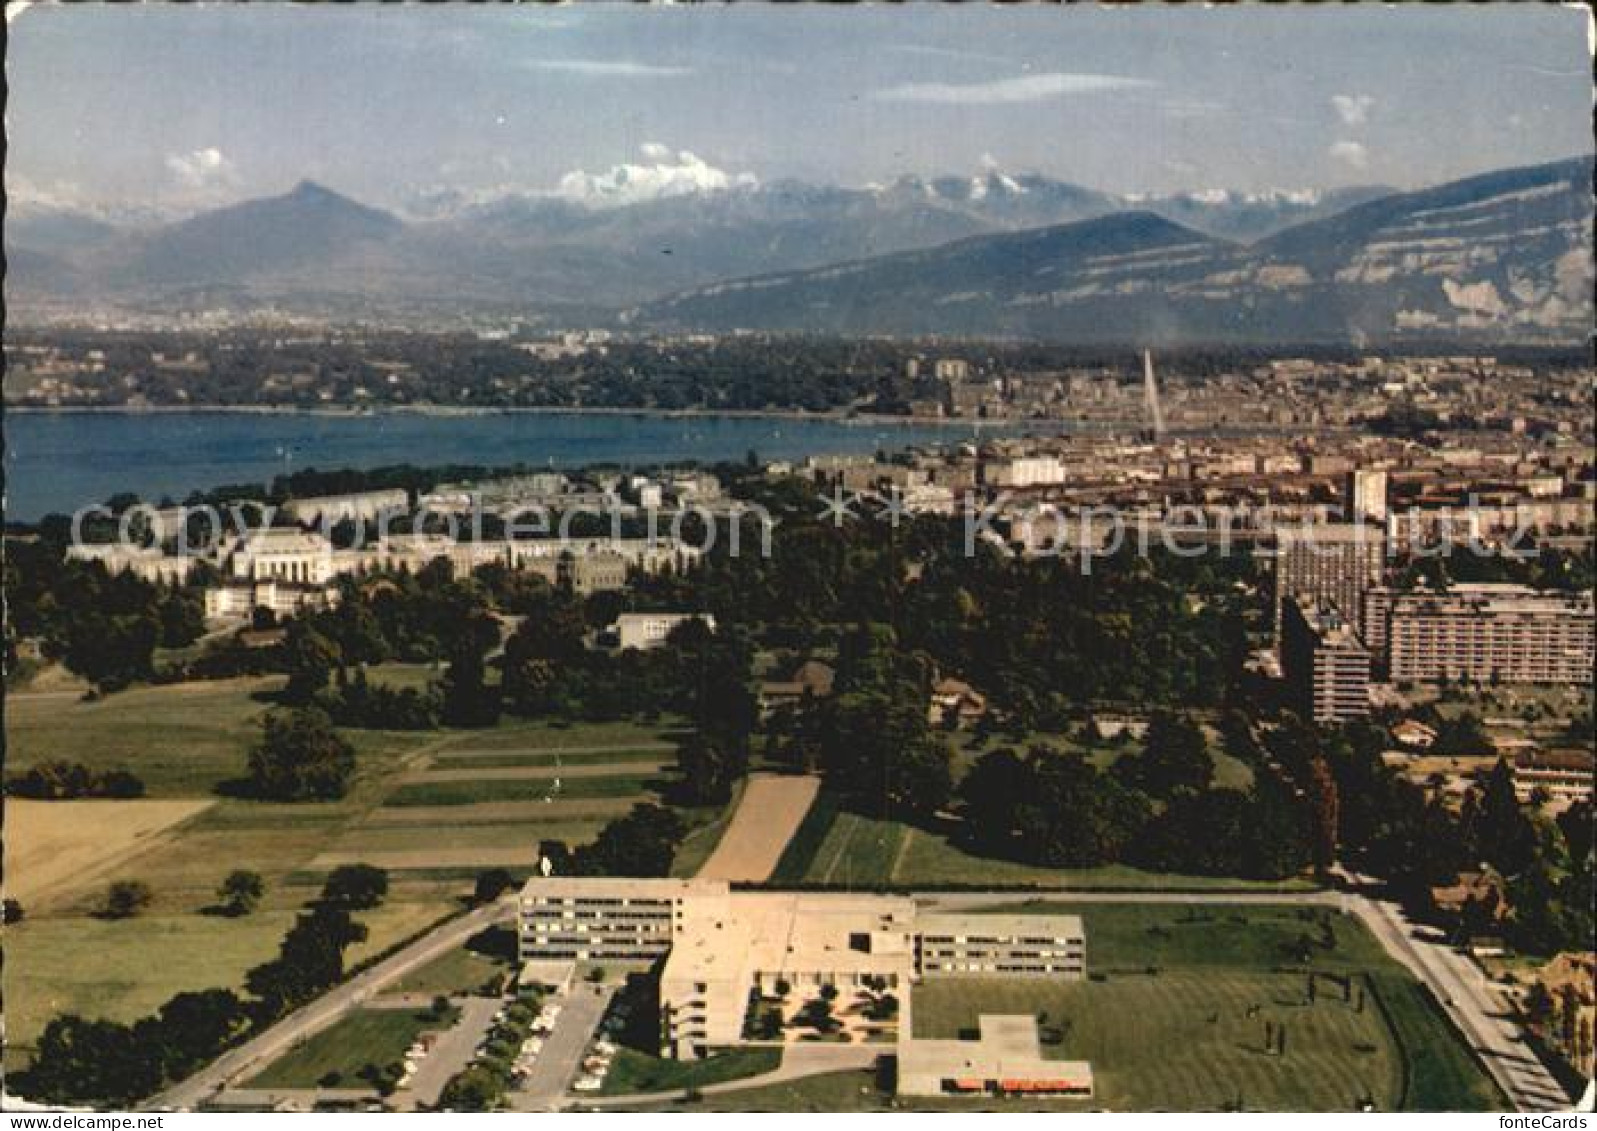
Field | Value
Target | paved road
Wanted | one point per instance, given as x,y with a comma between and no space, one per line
452,1052
552,1073
1469,1001
327,1009
966,901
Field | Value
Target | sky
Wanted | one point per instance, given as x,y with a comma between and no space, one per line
176,108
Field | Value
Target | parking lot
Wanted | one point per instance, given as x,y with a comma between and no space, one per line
564,1047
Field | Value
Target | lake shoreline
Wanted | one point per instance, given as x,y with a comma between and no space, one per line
341,412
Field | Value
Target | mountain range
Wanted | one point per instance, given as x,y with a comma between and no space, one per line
1505,254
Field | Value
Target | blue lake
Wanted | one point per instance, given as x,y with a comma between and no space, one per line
60,461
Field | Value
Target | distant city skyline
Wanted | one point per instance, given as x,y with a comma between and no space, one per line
179,108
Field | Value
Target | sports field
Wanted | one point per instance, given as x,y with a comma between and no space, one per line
1174,1016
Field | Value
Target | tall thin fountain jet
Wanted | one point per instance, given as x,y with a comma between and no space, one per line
1150,389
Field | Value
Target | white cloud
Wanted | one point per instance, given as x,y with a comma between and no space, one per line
998,92
668,174
1353,109
610,68
1350,153
200,168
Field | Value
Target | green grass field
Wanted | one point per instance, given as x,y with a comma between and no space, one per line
181,739
185,740
516,736
517,759
526,789
1182,1036
1184,1040
460,971
124,969
633,1072
856,851
366,1036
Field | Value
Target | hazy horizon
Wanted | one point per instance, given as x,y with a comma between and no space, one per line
180,109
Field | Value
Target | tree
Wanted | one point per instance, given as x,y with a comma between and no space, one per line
993,792
1502,834
126,898
310,959
468,700
311,658
1175,758
491,884
478,1088
241,891
103,1062
642,843
112,652
1323,802
300,758
193,1026
355,887
1075,816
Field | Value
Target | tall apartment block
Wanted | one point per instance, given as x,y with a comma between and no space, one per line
1331,561
1364,497
1482,633
1326,665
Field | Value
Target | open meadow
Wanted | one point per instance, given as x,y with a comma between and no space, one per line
433,824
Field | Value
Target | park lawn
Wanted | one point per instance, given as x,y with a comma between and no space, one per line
1185,1040
399,675
366,1036
929,858
121,970
459,972
180,739
414,793
500,835
633,1072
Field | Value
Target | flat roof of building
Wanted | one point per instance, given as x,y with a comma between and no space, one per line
1007,1052
1005,924
622,887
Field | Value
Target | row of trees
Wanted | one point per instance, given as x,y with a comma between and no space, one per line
61,780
